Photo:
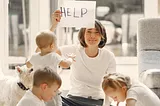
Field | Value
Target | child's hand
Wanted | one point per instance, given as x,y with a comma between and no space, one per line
72,56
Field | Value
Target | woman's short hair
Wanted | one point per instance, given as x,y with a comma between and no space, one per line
46,75
100,29
45,38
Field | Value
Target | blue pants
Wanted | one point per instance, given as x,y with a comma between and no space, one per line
80,101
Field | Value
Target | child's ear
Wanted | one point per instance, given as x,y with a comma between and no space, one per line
52,45
44,86
124,88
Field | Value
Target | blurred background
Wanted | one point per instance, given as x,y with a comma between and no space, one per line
26,17
118,16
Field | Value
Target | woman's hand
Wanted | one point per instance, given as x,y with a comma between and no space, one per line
56,17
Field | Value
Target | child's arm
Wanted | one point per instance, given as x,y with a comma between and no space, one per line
28,64
130,102
66,63
58,52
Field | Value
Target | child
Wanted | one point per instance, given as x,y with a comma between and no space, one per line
46,42
120,88
46,82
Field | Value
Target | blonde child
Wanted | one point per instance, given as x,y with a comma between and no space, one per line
46,42
46,82
120,88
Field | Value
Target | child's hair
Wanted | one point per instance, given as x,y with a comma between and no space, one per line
46,75
116,80
45,38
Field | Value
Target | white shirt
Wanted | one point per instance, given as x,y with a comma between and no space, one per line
87,73
143,95
29,99
51,60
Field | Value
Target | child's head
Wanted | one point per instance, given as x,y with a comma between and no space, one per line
46,39
47,81
116,85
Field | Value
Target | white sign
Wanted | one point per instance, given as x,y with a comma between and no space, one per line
78,14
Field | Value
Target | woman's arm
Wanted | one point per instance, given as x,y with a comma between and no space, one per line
56,17
112,65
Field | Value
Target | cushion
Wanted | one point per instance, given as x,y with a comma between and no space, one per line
151,78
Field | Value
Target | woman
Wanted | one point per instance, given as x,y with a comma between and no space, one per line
92,62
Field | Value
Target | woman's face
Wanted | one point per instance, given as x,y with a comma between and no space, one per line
118,94
92,37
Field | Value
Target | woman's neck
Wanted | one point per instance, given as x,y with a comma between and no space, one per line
91,52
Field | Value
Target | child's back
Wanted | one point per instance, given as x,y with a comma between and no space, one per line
46,42
29,99
51,60
142,94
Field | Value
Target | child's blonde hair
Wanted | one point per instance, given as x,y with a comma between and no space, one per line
46,75
116,80
45,38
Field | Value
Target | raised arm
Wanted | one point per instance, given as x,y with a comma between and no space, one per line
56,17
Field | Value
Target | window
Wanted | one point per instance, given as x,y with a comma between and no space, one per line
18,27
